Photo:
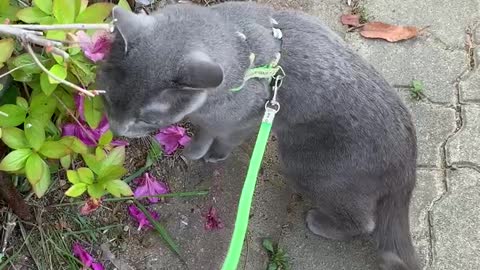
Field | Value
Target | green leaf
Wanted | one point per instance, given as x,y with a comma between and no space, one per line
106,138
118,188
93,111
51,129
268,245
272,266
92,163
100,153
54,149
74,144
96,190
154,153
124,4
34,168
82,69
95,13
66,161
16,115
15,160
34,132
76,190
6,49
42,106
32,15
58,70
14,138
64,11
23,103
116,157
73,177
111,172
80,6
41,187
10,12
27,63
4,4
44,5
85,175
47,87
67,100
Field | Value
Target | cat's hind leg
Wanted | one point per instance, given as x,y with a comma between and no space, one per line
342,218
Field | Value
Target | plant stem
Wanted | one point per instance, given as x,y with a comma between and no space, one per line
67,83
75,26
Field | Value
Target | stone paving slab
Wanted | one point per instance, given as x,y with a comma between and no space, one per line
447,19
464,147
422,59
455,221
470,88
434,124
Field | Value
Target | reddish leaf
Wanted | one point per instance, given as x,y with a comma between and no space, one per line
350,20
391,33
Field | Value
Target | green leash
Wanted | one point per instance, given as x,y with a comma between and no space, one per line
246,197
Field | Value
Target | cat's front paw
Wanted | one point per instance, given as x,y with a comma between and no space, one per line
195,151
214,156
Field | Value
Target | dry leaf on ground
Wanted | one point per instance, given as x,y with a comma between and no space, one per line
391,33
350,20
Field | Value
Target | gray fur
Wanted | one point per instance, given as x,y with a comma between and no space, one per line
345,138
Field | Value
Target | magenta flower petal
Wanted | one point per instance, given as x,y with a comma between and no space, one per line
141,219
213,222
96,47
69,130
172,137
97,266
82,255
150,186
80,105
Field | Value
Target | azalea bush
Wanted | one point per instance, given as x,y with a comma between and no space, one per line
46,124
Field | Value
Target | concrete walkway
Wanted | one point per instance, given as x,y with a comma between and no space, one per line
445,213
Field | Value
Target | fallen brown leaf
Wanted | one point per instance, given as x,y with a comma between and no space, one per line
350,20
391,33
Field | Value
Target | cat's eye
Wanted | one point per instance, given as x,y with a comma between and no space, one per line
144,122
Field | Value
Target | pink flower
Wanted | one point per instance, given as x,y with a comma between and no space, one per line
149,186
141,219
213,222
172,137
86,258
90,206
96,47
89,136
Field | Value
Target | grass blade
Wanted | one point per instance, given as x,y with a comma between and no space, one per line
160,229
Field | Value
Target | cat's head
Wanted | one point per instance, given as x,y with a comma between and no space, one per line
152,77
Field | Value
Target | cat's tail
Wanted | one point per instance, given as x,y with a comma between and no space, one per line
392,233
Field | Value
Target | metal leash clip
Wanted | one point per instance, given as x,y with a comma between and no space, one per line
272,106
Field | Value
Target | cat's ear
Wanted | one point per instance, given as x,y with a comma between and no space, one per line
128,23
199,71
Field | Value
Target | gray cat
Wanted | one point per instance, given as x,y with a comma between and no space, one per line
344,136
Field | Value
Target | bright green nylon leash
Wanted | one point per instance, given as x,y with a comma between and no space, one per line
243,212
246,197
